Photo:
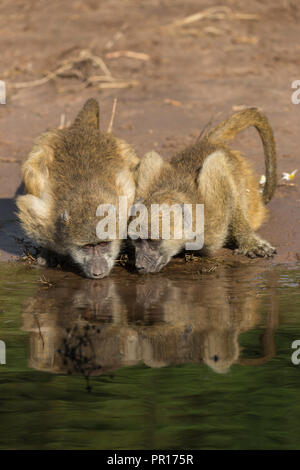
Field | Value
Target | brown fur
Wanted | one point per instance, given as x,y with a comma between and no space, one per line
68,173
212,174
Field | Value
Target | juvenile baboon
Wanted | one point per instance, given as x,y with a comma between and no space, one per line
210,173
68,174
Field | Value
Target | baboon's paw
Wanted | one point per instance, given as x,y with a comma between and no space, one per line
41,261
47,259
258,249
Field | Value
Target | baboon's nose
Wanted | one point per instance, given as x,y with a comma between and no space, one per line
97,274
141,269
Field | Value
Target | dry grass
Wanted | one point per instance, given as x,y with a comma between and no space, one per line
113,113
123,260
10,160
175,103
214,13
74,68
29,251
45,282
128,54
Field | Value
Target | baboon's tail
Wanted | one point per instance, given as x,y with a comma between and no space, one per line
241,120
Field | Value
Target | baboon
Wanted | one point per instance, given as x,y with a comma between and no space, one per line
68,174
210,173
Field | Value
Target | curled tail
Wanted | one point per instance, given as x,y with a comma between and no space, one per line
241,120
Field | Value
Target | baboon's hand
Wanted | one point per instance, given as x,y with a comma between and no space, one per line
257,248
47,259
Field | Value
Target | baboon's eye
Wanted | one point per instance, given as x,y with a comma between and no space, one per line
92,245
154,243
103,243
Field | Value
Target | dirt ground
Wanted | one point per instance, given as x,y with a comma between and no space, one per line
181,76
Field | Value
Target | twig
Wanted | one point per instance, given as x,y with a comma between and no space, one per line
99,78
10,160
110,126
103,81
115,37
41,81
129,54
286,185
45,282
110,82
175,103
219,13
120,84
62,123
97,60
66,66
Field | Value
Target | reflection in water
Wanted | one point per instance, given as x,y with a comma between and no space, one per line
90,327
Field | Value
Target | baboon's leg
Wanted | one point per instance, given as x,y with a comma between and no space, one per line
247,241
216,224
216,188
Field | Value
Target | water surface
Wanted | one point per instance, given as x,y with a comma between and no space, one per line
180,360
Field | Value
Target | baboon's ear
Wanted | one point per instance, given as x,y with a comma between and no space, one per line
148,169
89,115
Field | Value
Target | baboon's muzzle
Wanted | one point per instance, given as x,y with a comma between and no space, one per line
97,268
144,264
